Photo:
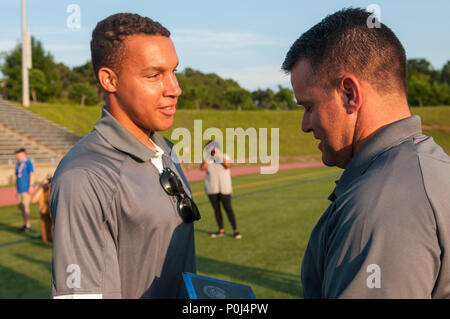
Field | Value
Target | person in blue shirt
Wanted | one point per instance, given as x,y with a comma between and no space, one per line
24,185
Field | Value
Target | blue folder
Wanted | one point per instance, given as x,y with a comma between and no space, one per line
202,287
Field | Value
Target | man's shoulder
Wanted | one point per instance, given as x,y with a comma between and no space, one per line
435,170
412,166
93,149
78,184
396,166
93,155
432,156
391,190
401,163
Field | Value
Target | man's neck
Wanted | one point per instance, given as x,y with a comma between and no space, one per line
375,117
139,133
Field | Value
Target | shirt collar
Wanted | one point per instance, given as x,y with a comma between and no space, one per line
390,136
159,151
121,139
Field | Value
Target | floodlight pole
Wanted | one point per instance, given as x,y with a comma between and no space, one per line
25,58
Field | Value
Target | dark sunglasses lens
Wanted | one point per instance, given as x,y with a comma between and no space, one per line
170,183
188,210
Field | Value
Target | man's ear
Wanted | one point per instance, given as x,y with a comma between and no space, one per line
351,93
107,79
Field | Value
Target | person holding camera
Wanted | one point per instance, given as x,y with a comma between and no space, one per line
218,186
41,194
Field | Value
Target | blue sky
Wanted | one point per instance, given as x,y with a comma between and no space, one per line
246,40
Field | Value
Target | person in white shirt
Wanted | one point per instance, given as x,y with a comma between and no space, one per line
218,186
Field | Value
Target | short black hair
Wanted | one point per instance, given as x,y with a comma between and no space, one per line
20,150
344,42
107,47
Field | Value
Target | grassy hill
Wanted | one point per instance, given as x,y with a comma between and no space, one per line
292,141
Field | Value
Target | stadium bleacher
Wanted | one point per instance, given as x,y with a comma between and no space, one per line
45,141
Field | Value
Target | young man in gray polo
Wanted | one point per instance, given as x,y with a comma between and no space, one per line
118,233
386,233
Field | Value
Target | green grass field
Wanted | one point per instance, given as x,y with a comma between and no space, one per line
275,214
292,141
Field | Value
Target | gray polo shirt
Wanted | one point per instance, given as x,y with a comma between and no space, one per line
387,232
117,233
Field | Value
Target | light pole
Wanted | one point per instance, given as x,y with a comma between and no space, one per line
26,57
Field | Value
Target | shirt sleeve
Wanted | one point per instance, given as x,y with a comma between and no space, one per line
85,263
30,166
375,251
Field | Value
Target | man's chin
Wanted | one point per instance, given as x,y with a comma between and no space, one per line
163,126
327,161
336,161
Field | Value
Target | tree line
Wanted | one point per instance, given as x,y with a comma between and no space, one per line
427,86
55,82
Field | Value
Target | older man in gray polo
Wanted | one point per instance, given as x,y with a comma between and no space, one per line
120,229
386,233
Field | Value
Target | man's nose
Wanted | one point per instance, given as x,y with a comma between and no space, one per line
171,87
306,123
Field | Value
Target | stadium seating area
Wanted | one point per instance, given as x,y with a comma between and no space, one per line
45,141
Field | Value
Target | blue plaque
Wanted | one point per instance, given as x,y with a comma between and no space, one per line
202,287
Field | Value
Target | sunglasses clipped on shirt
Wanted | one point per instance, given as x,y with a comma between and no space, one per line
172,185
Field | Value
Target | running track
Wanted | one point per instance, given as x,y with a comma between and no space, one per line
7,197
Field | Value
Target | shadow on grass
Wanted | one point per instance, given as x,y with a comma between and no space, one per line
14,225
15,285
46,264
275,280
33,235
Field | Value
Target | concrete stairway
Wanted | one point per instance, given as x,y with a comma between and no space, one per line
44,140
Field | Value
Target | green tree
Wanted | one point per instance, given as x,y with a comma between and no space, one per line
427,86
264,99
445,73
44,61
285,97
211,97
65,76
419,89
440,94
422,67
419,66
38,84
41,60
197,94
83,93
240,98
85,72
11,69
